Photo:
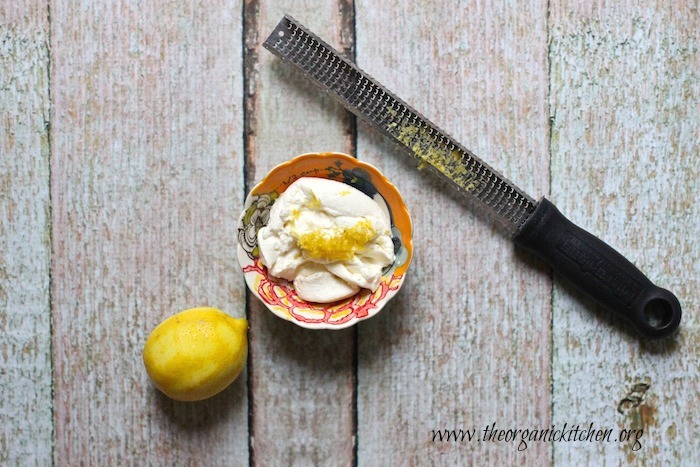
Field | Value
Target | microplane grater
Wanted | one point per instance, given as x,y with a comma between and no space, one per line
589,263
372,102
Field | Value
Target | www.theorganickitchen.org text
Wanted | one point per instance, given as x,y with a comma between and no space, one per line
525,437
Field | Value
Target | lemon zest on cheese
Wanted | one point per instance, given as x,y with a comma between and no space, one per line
336,244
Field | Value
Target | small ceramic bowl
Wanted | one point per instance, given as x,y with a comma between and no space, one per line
278,295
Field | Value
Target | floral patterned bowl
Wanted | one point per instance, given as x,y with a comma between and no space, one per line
278,294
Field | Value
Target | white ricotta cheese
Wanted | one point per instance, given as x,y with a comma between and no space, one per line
328,238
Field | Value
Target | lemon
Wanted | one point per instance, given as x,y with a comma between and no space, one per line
196,353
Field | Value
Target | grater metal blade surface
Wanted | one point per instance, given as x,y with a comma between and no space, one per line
411,131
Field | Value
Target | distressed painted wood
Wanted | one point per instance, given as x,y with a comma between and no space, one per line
625,165
466,343
147,185
130,133
302,381
25,317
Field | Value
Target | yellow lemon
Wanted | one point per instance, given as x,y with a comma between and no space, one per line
196,353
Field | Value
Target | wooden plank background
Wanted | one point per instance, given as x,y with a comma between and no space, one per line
147,184
25,247
301,381
130,133
467,344
625,138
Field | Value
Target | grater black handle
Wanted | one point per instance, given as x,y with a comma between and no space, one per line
599,271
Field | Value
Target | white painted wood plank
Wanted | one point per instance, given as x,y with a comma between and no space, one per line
147,185
302,381
466,343
625,88
26,426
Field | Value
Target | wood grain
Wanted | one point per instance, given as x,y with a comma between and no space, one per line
26,426
302,381
466,343
147,171
130,133
625,87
